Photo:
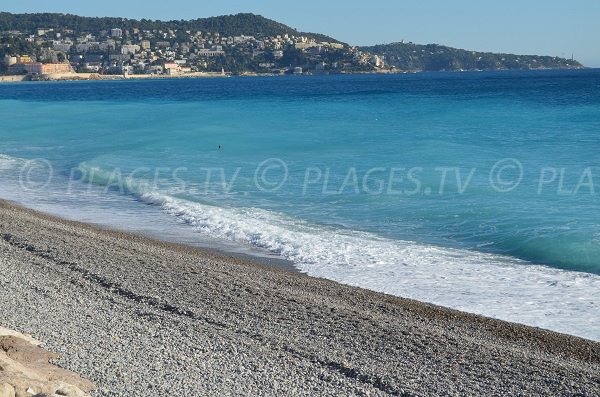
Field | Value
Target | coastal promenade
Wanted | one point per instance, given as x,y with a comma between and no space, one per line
96,76
138,317
199,75
12,79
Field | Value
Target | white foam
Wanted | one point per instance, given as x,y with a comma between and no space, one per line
492,285
8,163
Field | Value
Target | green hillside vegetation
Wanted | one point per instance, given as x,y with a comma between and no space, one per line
433,57
85,41
227,25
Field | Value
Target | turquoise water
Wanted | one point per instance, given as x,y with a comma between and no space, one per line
473,190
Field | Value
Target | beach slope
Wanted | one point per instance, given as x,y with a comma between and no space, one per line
139,317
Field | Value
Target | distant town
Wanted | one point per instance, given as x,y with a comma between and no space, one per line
120,51
173,52
37,45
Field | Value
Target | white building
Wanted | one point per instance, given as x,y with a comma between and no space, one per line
129,49
210,53
378,61
42,32
9,61
116,32
85,47
62,46
93,66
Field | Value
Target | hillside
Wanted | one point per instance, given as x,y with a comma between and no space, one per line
227,25
241,43
433,57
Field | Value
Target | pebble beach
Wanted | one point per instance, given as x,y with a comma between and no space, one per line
139,317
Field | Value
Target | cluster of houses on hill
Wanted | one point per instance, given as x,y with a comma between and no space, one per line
172,52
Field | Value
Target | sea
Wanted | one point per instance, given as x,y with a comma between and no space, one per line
475,191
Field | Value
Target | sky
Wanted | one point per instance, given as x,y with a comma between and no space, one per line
542,27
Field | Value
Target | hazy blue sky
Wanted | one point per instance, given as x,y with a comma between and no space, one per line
547,27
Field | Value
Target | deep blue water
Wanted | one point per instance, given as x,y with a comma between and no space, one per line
441,187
